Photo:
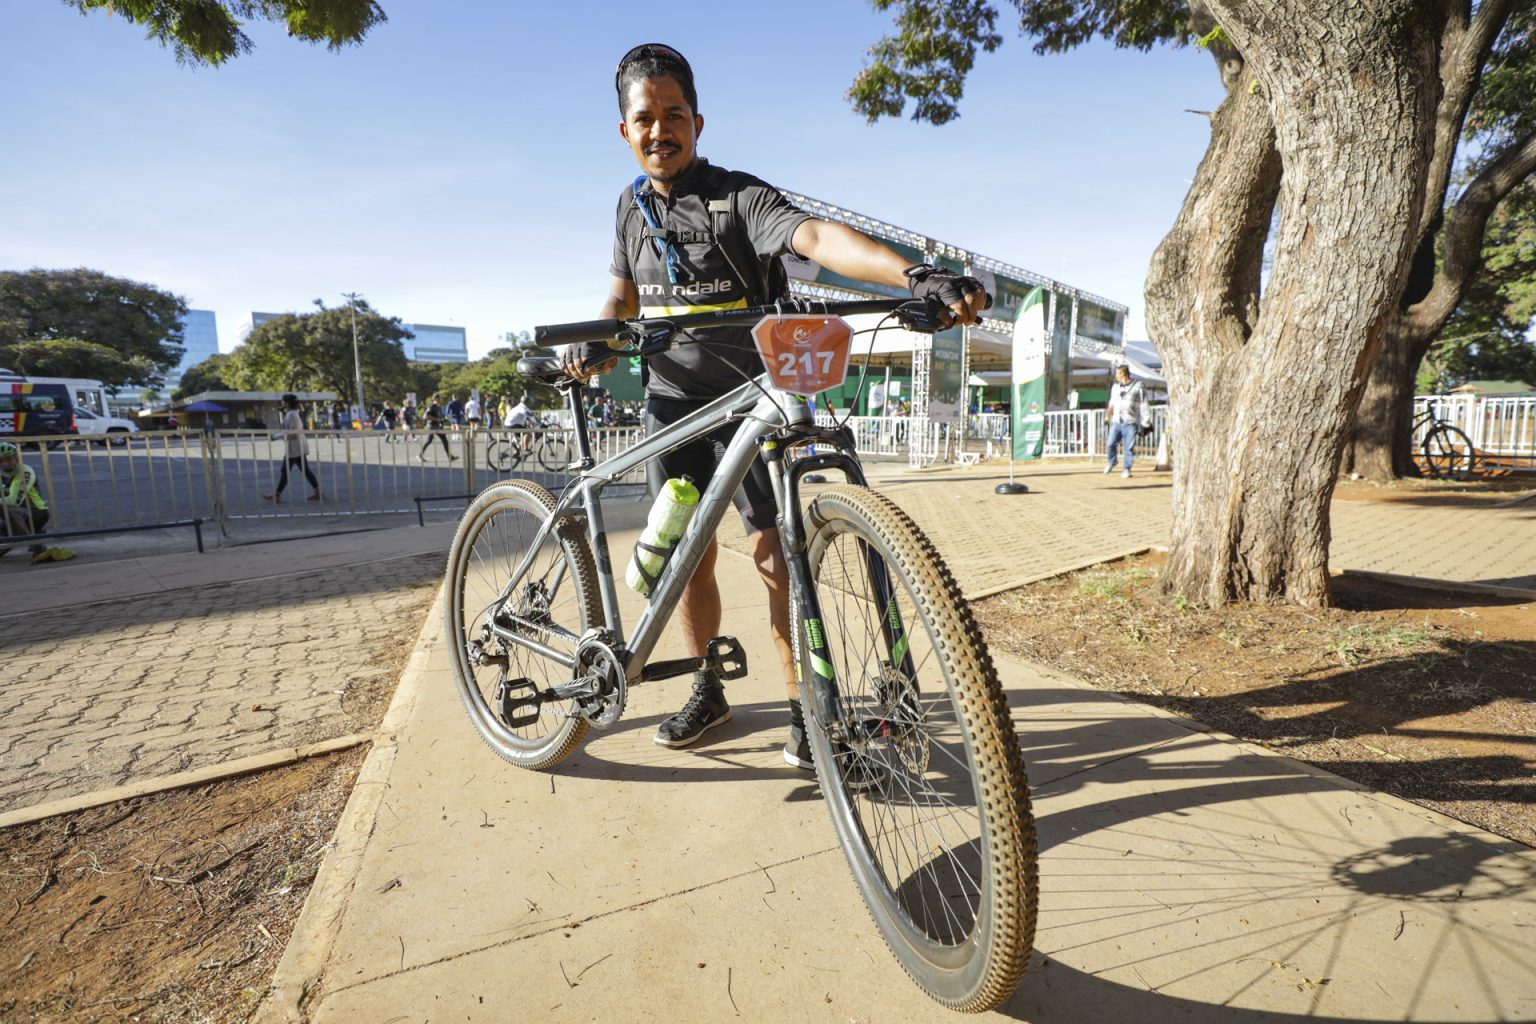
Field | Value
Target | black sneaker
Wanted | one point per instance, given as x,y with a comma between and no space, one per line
859,772
706,709
797,752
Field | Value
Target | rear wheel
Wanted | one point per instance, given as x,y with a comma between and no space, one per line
501,454
555,451
1448,452
921,768
556,598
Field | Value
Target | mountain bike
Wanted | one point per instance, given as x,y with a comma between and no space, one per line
548,445
914,748
1446,449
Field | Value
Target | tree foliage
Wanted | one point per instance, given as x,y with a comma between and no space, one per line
1490,336
71,357
313,352
209,32
935,45
139,323
208,375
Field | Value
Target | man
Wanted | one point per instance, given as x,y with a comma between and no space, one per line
1128,416
296,452
23,511
666,250
456,412
472,411
435,416
521,418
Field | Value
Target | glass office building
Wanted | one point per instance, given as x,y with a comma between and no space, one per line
199,338
434,343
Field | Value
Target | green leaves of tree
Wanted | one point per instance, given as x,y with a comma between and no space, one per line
313,352
209,31
137,325
935,46
71,357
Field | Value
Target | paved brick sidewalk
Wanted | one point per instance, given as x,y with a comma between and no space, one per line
105,694
1075,514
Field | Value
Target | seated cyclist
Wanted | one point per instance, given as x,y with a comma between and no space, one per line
669,259
23,510
522,419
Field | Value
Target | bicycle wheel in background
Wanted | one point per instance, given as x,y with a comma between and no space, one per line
927,788
555,451
559,589
1448,452
501,454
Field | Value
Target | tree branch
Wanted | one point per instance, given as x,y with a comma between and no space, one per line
1464,230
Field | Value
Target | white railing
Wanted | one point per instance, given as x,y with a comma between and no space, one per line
1499,428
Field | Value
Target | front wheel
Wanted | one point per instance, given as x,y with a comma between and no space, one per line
554,600
501,455
920,764
1448,452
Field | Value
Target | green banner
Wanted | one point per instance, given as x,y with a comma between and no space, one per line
1027,408
1100,322
946,384
1059,378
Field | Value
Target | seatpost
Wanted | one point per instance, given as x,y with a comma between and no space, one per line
584,458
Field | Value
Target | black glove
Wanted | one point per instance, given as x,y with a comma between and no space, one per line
945,285
589,353
1143,432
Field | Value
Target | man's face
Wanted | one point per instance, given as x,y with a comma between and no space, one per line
8,465
1124,376
660,128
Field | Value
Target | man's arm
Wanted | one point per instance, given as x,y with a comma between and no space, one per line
845,251
622,303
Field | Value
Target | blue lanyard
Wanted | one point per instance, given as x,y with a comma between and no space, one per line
663,241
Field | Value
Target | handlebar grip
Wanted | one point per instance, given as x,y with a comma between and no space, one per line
586,330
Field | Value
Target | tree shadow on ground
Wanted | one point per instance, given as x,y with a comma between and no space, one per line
1363,591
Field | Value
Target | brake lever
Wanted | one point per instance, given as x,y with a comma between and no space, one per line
926,316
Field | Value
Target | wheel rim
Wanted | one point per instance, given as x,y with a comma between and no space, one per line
920,823
502,534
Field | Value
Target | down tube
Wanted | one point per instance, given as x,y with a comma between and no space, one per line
713,505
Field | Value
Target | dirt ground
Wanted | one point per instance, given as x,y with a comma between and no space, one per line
1426,694
175,907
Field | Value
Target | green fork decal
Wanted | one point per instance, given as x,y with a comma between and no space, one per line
821,665
893,616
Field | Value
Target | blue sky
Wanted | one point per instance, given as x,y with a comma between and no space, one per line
462,165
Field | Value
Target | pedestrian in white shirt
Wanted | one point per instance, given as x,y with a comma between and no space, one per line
1127,417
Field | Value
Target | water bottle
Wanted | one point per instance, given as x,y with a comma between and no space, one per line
663,529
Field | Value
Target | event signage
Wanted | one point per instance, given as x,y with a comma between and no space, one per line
946,387
1027,409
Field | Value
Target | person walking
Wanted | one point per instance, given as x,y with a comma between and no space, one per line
1128,415
295,451
435,418
472,411
669,250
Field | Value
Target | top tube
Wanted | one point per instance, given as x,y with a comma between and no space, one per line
915,314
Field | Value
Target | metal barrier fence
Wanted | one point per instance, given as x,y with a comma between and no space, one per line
1502,429
153,478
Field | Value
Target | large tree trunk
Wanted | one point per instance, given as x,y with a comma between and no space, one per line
1381,444
1339,95
1380,447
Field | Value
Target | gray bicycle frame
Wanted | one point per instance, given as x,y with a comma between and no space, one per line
757,403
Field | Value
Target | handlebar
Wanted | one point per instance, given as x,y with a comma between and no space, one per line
925,316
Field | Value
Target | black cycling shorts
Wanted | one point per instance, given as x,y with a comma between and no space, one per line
700,457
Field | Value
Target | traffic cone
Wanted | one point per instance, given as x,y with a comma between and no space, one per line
1163,464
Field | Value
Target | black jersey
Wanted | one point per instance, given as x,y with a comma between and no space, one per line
722,357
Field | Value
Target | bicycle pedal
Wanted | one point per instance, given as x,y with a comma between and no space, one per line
519,702
726,658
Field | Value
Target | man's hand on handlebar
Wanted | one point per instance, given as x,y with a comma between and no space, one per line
965,296
588,359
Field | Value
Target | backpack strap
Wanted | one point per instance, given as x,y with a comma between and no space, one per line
763,284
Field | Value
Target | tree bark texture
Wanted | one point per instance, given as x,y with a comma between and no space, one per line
1331,124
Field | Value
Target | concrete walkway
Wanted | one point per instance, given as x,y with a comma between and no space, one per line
1184,875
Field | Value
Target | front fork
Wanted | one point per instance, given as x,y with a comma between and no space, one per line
811,651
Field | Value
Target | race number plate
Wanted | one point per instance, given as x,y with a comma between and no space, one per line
804,355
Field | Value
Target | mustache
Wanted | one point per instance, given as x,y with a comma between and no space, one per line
657,147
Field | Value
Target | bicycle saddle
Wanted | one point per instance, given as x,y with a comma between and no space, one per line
545,369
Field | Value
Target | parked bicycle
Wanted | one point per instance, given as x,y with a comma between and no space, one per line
1446,449
915,751
545,444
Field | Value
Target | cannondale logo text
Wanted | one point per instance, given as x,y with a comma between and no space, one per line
692,290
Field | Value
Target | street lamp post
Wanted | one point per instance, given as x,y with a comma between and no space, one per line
357,363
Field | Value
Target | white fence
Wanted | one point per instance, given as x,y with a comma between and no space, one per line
1499,428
